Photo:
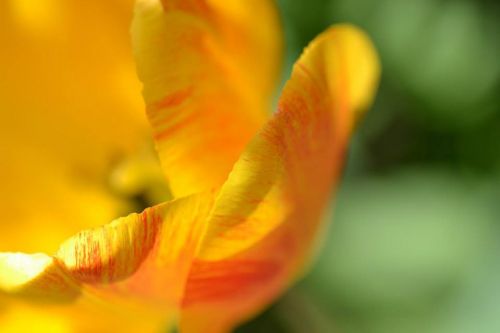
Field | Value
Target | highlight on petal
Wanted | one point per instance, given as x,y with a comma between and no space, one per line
267,216
208,71
35,276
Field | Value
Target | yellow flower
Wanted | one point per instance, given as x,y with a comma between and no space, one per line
248,187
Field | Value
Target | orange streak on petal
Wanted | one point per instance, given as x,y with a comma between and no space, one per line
217,281
174,99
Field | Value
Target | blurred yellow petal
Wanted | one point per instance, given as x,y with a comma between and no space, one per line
267,216
208,71
70,108
136,265
83,316
22,319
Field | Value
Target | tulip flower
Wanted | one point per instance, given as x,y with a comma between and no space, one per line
248,187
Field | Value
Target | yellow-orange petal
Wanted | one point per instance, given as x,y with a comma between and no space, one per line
135,265
208,71
268,214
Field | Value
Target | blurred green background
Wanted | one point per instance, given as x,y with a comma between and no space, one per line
415,237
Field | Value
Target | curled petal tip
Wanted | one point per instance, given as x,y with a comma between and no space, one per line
346,59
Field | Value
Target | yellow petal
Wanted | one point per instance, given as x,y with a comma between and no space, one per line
80,317
70,107
208,71
135,266
267,216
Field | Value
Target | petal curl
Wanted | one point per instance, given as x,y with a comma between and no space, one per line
208,72
268,214
135,265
